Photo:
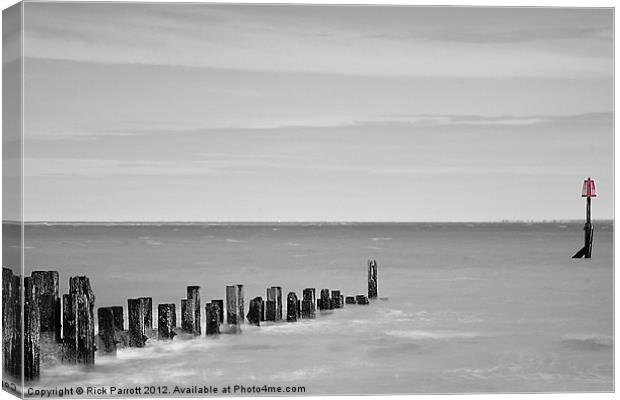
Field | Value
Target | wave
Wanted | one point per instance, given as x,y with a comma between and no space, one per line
390,314
234,241
301,326
588,341
301,374
376,239
437,335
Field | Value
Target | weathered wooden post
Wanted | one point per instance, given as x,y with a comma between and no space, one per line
324,301
79,322
291,307
232,308
137,330
193,310
308,303
254,313
278,302
372,279
11,323
107,331
241,314
271,305
341,301
263,310
361,299
166,318
298,308
350,300
119,319
212,315
220,304
337,300
271,310
49,304
147,307
588,191
69,326
32,330
185,327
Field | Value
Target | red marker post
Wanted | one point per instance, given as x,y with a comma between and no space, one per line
588,191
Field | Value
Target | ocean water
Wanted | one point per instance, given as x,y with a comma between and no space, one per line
471,307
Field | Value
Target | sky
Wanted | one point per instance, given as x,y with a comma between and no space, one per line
195,112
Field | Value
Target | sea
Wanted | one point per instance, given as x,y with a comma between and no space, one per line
465,308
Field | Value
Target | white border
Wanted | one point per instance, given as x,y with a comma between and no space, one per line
506,3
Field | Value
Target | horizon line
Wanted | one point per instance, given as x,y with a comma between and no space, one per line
182,222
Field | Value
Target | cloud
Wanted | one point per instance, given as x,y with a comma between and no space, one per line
320,125
408,41
524,35
74,167
450,120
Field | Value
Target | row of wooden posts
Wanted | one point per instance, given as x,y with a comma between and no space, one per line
42,321
42,317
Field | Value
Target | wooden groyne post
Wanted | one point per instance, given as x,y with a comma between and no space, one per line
11,323
350,300
32,330
271,304
49,304
263,310
361,299
137,329
291,307
191,315
241,313
372,279
324,302
255,311
279,311
232,307
119,319
220,304
588,191
147,307
308,303
166,321
107,331
337,299
79,322
212,315
184,320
